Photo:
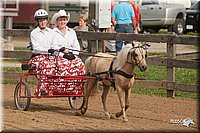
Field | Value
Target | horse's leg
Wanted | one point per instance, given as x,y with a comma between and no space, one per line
103,98
127,102
127,97
122,103
90,85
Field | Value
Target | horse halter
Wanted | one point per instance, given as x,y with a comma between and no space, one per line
133,55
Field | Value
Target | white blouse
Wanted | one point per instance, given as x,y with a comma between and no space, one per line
69,40
41,40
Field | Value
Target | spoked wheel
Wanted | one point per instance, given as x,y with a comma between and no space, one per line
76,103
22,96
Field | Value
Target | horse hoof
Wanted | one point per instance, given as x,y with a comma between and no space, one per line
107,115
77,113
118,114
112,117
125,120
83,110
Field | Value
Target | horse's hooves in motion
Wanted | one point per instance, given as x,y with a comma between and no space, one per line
118,114
111,117
108,116
83,110
125,119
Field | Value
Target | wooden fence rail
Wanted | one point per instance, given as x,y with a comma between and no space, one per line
170,62
161,38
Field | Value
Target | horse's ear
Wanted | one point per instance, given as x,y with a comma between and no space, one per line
146,44
133,44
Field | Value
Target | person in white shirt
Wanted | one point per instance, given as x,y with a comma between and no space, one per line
63,35
41,41
66,37
41,36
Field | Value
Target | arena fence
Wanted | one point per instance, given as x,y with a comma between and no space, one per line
97,43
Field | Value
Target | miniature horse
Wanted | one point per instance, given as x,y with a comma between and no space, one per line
120,69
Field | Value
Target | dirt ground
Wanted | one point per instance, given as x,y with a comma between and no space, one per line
146,113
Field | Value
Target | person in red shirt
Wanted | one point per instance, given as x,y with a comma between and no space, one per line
112,5
137,13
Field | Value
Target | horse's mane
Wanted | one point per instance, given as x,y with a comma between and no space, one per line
122,57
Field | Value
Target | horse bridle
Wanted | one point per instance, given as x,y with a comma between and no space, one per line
133,56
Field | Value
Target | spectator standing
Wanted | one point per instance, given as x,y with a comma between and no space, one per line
112,5
110,44
137,14
123,18
82,27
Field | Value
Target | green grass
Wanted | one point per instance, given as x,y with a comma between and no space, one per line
21,49
17,60
159,73
182,75
10,81
163,93
17,38
187,76
16,81
152,73
157,54
12,69
193,34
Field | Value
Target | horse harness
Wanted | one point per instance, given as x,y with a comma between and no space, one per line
110,72
109,75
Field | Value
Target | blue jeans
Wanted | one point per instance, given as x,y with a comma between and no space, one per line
123,29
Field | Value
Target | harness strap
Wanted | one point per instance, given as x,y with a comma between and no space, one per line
110,72
111,75
124,74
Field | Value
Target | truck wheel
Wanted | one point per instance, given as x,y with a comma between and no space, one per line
178,26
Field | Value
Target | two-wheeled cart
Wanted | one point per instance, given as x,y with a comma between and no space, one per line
51,82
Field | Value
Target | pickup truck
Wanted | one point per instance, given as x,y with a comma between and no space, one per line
156,15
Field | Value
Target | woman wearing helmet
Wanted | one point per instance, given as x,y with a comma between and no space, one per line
41,41
41,37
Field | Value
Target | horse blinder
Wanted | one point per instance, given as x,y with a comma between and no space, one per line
133,56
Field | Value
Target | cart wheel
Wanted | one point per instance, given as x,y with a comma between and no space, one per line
76,103
22,103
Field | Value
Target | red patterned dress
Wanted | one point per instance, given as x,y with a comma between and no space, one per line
50,69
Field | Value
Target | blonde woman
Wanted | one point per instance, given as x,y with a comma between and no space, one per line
83,20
